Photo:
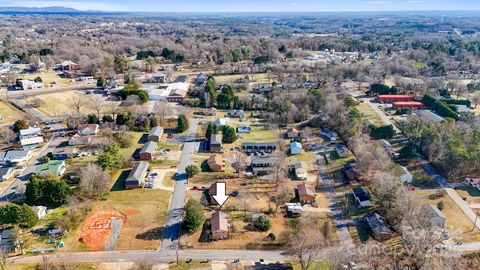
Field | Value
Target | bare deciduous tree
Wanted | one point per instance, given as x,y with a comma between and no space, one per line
114,108
163,110
306,244
239,161
94,182
96,103
77,103
7,134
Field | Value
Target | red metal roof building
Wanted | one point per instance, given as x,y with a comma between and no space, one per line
408,105
394,98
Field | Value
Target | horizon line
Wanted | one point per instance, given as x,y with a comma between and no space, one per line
241,11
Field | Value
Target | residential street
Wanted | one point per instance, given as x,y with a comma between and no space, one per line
336,209
174,218
157,256
18,185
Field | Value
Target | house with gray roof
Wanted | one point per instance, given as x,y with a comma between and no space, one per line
155,134
147,151
17,156
137,175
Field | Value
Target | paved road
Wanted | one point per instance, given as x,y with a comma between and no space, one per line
158,256
466,209
37,115
426,166
339,218
17,187
175,211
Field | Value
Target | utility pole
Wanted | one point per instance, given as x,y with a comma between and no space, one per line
475,222
176,251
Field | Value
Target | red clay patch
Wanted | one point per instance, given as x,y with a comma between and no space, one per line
130,212
96,230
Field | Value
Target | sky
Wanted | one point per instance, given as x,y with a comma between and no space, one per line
251,5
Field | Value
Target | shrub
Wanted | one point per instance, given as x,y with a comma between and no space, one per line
439,106
382,132
263,224
440,205
19,125
272,236
407,151
192,170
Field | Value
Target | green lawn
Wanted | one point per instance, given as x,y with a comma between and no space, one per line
317,265
368,113
171,146
163,163
127,153
421,179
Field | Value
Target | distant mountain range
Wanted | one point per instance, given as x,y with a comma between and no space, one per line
55,9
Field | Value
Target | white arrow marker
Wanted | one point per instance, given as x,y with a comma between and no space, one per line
221,197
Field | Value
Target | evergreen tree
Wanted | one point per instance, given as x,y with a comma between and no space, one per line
228,134
110,157
194,216
49,190
182,123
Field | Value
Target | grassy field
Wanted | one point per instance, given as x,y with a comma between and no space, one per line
59,104
368,113
9,114
459,225
259,78
137,143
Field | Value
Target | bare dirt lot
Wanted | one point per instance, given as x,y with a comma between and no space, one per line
97,229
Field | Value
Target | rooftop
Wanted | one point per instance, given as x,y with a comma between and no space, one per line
219,221
137,171
149,147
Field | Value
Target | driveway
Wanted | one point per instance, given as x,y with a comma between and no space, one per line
159,182
175,211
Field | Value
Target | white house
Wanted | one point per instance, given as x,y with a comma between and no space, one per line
342,150
17,156
30,132
40,211
332,136
406,177
88,129
31,142
295,148
28,84
362,197
220,122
